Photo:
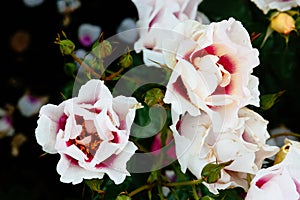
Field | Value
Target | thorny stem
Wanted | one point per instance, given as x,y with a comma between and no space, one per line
284,134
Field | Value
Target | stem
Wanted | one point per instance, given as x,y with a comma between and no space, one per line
160,193
135,80
284,134
109,78
174,184
86,68
140,189
195,194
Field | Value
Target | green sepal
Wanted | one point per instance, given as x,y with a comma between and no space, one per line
211,172
268,100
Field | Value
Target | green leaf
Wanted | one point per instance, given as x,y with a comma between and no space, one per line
268,100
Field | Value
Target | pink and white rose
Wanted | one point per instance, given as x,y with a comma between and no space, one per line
156,19
6,123
88,34
212,70
280,5
197,144
67,6
90,132
30,105
33,3
127,31
280,181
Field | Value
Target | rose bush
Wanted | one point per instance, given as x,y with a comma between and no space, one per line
209,139
90,132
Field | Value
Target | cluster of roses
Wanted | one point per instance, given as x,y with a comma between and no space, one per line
209,89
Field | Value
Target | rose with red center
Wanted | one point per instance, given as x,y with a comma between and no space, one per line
280,181
90,132
212,70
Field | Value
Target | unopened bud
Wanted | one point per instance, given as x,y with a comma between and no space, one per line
123,197
66,47
280,156
283,23
211,172
126,60
102,49
154,96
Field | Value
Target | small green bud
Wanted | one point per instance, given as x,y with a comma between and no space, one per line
126,60
66,47
102,49
211,172
123,197
206,198
154,96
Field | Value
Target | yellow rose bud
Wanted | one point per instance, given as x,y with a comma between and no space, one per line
283,23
